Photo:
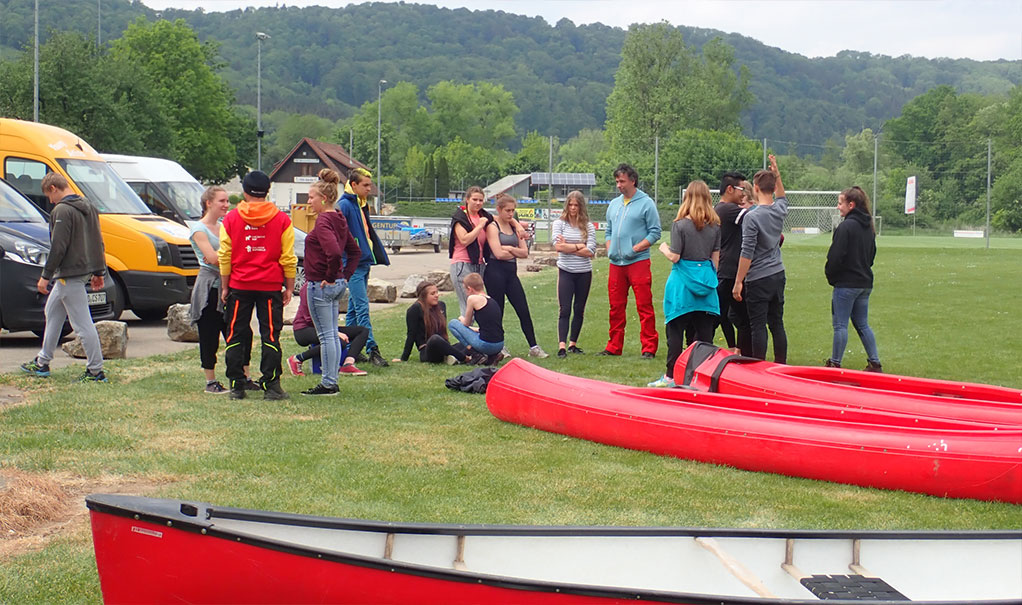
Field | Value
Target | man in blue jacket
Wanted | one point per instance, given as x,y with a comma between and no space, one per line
633,225
355,209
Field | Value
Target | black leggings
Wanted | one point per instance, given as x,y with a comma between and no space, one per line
308,337
569,286
682,330
211,328
438,348
501,279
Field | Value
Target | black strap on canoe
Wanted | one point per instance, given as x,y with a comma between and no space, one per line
701,351
715,377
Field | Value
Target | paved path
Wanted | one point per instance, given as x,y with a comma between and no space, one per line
147,338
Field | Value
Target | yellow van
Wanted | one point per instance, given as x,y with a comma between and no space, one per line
148,256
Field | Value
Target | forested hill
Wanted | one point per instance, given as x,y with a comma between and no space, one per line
329,61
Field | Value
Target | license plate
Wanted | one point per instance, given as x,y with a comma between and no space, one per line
97,298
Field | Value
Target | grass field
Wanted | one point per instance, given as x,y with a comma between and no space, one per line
397,445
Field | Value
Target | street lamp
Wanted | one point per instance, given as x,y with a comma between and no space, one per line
379,124
260,36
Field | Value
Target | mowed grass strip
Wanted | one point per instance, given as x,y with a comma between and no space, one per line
397,445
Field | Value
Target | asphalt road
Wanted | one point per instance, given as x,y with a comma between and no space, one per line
147,338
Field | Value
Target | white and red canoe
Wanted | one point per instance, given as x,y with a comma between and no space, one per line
706,367
870,448
171,551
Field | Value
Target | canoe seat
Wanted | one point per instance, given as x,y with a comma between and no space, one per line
851,587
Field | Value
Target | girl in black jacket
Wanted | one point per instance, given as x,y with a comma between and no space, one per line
849,271
426,319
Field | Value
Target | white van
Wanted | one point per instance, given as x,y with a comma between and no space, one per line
164,185
170,191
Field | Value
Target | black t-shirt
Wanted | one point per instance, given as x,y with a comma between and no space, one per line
730,238
491,321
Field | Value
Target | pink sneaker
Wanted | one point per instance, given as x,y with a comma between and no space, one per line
295,366
351,370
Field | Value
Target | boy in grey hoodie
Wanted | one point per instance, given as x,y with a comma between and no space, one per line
77,257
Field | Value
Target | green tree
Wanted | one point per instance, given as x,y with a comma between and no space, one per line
587,146
443,176
705,154
107,101
662,86
196,101
469,164
285,130
482,114
534,156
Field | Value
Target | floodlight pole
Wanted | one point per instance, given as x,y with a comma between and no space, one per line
989,152
260,36
379,133
35,68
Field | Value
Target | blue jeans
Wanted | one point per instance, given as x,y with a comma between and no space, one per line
324,307
358,303
852,303
469,337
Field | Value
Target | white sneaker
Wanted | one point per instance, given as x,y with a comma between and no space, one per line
505,352
536,351
661,382
450,360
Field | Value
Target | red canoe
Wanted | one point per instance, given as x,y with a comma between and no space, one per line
936,456
171,551
706,367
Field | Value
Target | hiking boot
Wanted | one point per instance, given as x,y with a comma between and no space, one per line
376,359
273,392
319,389
350,370
537,351
575,349
562,353
874,366
648,355
36,369
361,358
238,389
215,388
663,381
251,385
295,366
830,363
90,377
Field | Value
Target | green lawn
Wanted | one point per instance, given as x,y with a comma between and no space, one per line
397,445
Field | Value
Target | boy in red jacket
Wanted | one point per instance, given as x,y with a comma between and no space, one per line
257,259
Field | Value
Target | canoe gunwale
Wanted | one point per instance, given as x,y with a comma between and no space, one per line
162,514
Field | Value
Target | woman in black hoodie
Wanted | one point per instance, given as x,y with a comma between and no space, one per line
849,271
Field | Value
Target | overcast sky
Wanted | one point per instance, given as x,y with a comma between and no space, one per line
975,29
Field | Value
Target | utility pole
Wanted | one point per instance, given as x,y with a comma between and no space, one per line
35,69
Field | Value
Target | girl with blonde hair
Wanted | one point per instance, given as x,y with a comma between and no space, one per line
574,238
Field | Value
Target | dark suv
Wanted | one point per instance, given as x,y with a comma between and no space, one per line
24,246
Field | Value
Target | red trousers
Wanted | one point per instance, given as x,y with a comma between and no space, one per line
636,276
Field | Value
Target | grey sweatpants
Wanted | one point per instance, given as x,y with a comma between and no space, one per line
69,300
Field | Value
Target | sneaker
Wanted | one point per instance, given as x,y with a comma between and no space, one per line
663,381
361,358
562,353
874,366
351,370
451,360
295,366
575,349
476,359
273,392
90,377
606,353
36,369
251,385
376,359
492,360
215,388
320,389
505,352
537,351
648,355
829,363
238,390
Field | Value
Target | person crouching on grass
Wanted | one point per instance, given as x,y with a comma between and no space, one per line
426,320
486,341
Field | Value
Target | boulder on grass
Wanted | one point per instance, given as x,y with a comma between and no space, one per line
113,338
411,283
179,324
441,279
381,291
533,268
547,260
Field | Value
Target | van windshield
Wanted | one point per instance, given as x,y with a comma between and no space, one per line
16,209
107,192
186,197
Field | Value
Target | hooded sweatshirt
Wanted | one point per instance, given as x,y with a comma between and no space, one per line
257,247
629,223
356,212
852,251
76,243
328,243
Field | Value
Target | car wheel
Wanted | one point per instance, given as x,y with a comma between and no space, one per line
299,278
436,247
